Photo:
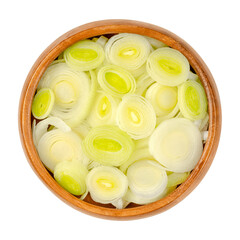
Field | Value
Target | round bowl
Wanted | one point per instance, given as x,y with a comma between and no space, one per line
110,27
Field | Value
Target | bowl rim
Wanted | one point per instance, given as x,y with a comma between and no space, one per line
114,26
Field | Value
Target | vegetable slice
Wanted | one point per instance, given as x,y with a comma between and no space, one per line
56,146
192,100
104,110
147,179
177,144
84,55
74,92
175,179
163,99
127,50
168,66
71,176
143,82
116,80
108,145
106,184
136,116
43,103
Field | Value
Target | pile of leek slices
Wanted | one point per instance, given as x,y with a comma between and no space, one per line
123,119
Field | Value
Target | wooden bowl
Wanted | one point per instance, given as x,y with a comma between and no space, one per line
112,27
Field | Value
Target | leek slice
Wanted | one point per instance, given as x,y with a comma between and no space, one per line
108,145
156,43
116,80
104,110
120,203
82,129
127,50
175,179
71,176
41,128
143,82
74,92
106,184
193,76
136,116
168,66
84,55
102,41
43,103
192,100
163,99
57,146
204,123
147,179
177,144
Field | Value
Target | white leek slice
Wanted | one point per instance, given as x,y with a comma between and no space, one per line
43,103
82,129
41,128
175,179
177,144
204,123
127,50
71,176
204,135
146,178
156,43
143,82
116,80
106,184
108,145
120,203
137,155
102,40
74,92
168,66
192,100
56,146
192,76
142,143
136,116
84,55
164,99
104,110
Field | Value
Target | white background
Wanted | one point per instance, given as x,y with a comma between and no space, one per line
28,210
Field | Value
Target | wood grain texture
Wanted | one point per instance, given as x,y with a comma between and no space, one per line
112,27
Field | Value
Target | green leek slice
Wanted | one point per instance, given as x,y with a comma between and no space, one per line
127,50
108,145
84,55
74,92
175,179
43,103
146,178
71,176
168,66
104,110
164,99
192,100
136,116
116,80
106,184
177,144
56,146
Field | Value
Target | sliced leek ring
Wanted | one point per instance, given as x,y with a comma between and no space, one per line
57,146
177,144
108,145
74,92
127,50
174,179
164,99
116,80
84,55
168,66
43,103
156,43
106,184
147,179
136,116
71,176
104,110
192,100
143,83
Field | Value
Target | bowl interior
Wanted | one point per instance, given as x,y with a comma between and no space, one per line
109,28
